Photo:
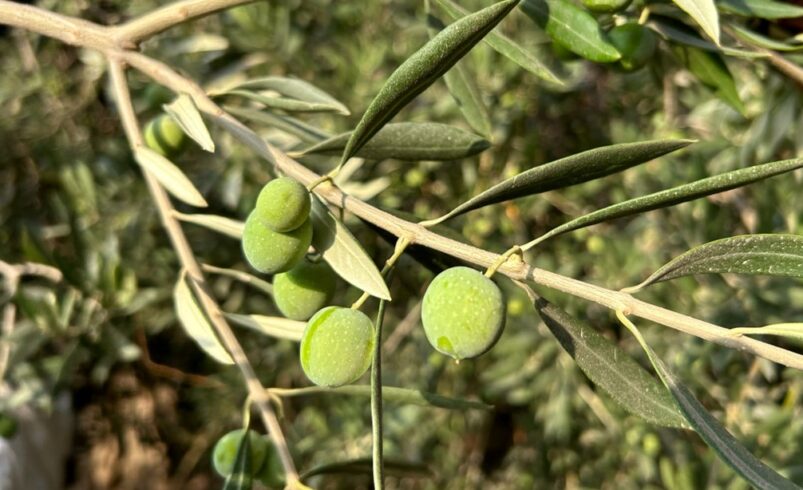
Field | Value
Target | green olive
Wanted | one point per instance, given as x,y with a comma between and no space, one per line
283,204
463,313
337,346
304,289
225,453
635,43
270,251
164,136
606,6
271,474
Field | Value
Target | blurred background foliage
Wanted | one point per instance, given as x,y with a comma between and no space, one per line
72,196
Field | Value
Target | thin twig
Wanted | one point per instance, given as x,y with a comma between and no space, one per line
376,401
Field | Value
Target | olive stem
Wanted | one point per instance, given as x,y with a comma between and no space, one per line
319,181
376,400
514,250
401,244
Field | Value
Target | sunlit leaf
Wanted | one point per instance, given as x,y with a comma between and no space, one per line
573,28
294,90
421,70
704,12
241,276
196,324
280,328
288,124
186,114
767,254
220,224
170,176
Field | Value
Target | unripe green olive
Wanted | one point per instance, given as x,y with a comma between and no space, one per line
271,474
225,453
270,251
304,289
283,204
337,346
463,313
606,6
164,136
635,43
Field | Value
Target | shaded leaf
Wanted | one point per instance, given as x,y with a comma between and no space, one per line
241,276
221,224
704,12
241,477
610,368
769,254
571,170
409,141
765,9
712,71
573,28
506,46
421,70
284,103
186,114
170,176
281,328
754,39
297,90
195,323
679,32
364,465
729,449
344,253
288,124
389,394
676,195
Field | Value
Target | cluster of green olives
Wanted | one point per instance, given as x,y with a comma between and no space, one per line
264,461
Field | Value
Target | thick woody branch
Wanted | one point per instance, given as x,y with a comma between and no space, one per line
69,30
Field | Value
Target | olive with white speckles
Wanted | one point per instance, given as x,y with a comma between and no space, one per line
304,289
225,453
463,313
271,252
283,204
337,346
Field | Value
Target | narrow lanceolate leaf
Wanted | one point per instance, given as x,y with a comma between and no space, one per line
729,449
298,90
676,195
765,9
280,328
572,27
680,33
704,12
506,46
767,254
284,103
463,88
712,71
344,253
390,394
170,176
421,70
221,224
787,330
241,276
611,368
755,39
186,114
195,323
288,124
571,170
364,465
241,477
409,141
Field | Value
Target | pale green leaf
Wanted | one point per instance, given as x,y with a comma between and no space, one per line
704,12
241,276
170,176
186,114
280,328
764,9
296,90
196,324
221,224
787,330
288,124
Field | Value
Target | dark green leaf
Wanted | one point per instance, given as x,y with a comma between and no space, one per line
770,254
676,195
571,170
680,33
754,39
409,141
506,46
765,9
288,124
421,70
573,28
712,71
713,433
363,465
241,477
611,368
294,94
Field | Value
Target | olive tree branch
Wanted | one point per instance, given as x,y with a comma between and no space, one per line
197,281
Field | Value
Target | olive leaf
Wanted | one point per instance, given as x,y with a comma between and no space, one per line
170,176
293,95
704,12
344,253
421,70
675,195
574,169
729,449
754,39
409,141
187,116
241,276
609,367
390,394
764,9
221,224
506,46
280,328
787,330
195,323
712,71
770,254
364,465
680,33
288,124
572,27
241,477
